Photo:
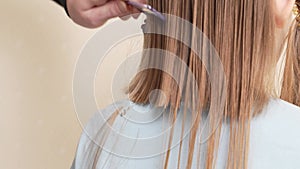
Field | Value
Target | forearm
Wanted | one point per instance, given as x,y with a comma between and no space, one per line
61,2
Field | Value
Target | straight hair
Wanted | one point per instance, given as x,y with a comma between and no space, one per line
243,34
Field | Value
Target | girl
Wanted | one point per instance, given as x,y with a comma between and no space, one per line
185,110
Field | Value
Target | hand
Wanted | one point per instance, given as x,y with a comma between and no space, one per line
94,13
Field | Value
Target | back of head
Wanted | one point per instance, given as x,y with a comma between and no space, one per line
243,34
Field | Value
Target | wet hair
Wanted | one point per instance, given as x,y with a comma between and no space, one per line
244,34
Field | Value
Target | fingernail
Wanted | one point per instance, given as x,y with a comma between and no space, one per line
136,15
123,6
124,18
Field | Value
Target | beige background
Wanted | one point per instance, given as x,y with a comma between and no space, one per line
39,46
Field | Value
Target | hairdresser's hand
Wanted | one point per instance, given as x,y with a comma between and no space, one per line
94,13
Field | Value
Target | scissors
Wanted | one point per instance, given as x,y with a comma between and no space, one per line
147,9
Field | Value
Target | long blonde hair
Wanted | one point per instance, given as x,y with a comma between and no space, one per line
243,34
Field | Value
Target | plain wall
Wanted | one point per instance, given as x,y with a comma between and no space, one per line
39,50
39,46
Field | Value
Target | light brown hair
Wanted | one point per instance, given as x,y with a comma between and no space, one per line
291,80
243,34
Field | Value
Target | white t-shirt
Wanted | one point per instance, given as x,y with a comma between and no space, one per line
139,134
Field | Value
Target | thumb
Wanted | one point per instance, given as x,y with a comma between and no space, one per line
100,14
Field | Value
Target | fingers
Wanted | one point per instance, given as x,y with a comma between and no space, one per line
135,13
94,13
97,2
110,10
124,18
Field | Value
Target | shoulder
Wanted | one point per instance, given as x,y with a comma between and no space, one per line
110,129
280,117
93,132
275,136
